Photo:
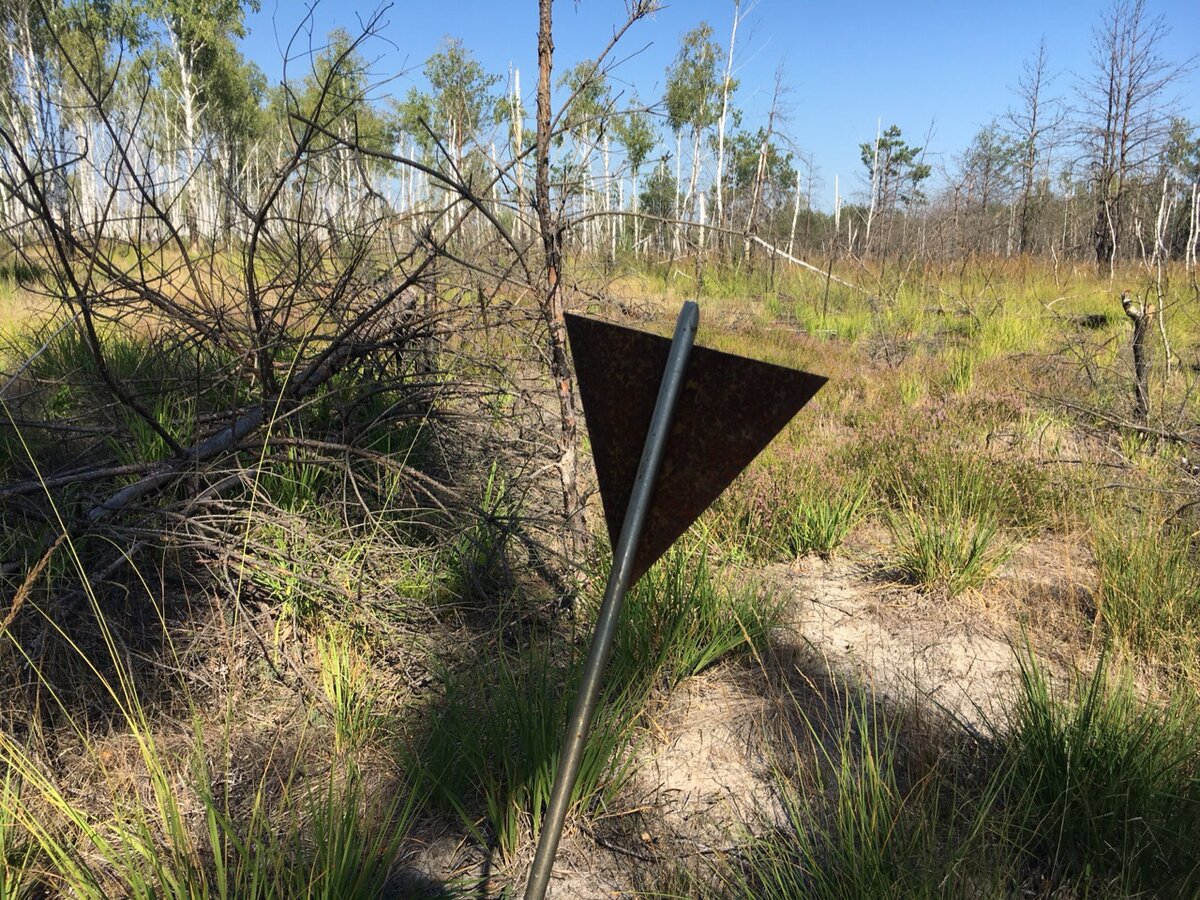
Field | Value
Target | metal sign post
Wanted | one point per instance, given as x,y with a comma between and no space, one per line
614,597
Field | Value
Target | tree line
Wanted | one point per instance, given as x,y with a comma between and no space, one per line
1101,168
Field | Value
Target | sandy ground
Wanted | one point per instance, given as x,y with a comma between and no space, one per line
702,782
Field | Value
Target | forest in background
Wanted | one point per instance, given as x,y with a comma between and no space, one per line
111,95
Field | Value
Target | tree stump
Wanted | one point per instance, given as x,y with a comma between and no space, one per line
1140,317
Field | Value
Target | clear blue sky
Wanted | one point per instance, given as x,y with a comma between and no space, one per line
941,65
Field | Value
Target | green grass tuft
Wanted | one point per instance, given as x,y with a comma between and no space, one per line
494,741
1149,587
821,520
946,551
681,618
1106,786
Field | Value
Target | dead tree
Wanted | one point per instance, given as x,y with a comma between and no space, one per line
191,375
1141,318
1126,115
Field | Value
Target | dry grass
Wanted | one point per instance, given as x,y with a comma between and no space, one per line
353,633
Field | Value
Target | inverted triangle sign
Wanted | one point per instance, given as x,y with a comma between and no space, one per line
729,410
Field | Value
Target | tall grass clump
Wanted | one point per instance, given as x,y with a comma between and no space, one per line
960,371
1107,787
187,841
492,746
858,825
1021,497
946,549
1149,586
345,680
681,618
822,517
946,527
494,737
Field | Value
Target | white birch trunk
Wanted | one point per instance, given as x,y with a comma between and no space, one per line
724,114
874,184
795,216
678,211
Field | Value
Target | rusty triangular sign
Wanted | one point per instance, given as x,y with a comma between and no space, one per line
730,409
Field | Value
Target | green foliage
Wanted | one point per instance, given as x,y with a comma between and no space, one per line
911,388
293,480
459,102
495,734
16,272
199,50
590,101
897,173
494,741
635,134
1091,794
987,165
1106,786
745,155
821,518
693,83
1149,586
477,560
335,96
960,371
312,842
172,824
345,681
1015,494
659,193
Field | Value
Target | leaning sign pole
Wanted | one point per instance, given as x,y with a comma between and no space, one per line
619,580
661,458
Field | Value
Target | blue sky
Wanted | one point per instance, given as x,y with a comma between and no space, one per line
937,68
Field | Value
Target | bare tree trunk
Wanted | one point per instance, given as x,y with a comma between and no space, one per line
633,204
187,100
678,212
551,301
837,209
1140,318
874,187
760,175
517,141
1193,229
612,220
725,84
689,201
1160,258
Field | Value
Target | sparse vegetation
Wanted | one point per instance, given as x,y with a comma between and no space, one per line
300,551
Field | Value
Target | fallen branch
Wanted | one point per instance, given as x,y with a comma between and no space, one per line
804,265
1183,437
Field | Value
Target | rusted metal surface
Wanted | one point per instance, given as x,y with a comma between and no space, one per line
730,409
670,388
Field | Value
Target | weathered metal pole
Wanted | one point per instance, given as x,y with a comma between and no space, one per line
614,596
